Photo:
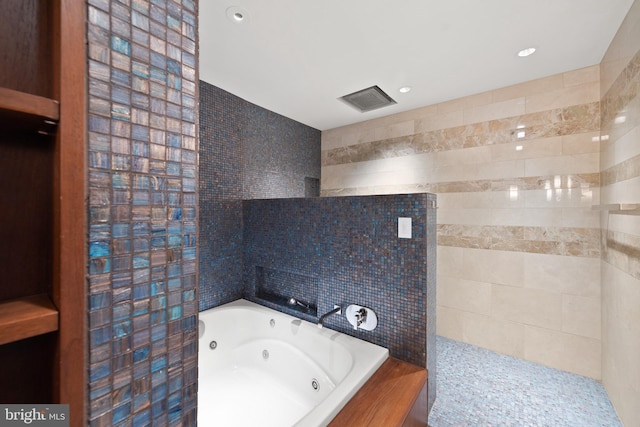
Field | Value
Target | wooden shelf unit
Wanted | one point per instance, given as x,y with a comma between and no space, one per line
27,317
43,115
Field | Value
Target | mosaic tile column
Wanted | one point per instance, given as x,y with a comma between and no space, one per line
143,212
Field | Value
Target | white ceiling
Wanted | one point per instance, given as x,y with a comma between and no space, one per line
296,57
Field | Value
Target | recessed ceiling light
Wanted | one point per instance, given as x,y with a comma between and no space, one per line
526,52
237,14
404,89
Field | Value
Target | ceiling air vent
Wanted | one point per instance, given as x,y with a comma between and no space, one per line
368,99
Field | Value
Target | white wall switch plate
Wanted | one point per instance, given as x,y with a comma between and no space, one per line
404,228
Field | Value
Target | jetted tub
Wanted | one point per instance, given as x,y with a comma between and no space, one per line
260,367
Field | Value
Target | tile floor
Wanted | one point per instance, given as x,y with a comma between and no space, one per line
477,387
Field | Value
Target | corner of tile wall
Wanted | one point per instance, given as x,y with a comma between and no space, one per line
620,261
246,152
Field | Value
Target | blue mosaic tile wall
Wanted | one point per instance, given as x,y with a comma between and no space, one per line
220,266
246,152
143,210
348,248
279,154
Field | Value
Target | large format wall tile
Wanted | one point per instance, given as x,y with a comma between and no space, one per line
620,163
568,352
516,171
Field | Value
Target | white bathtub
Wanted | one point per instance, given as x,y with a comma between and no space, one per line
260,367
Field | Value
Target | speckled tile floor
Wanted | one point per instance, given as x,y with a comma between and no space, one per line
477,387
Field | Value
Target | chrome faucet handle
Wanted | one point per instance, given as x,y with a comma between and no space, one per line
361,317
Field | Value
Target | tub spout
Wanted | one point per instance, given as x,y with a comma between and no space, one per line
336,310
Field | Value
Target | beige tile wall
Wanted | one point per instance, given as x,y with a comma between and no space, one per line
620,164
516,171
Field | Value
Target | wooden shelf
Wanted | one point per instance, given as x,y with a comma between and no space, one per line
24,110
394,396
29,105
27,317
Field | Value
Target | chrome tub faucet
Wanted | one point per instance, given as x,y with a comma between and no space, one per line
336,310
